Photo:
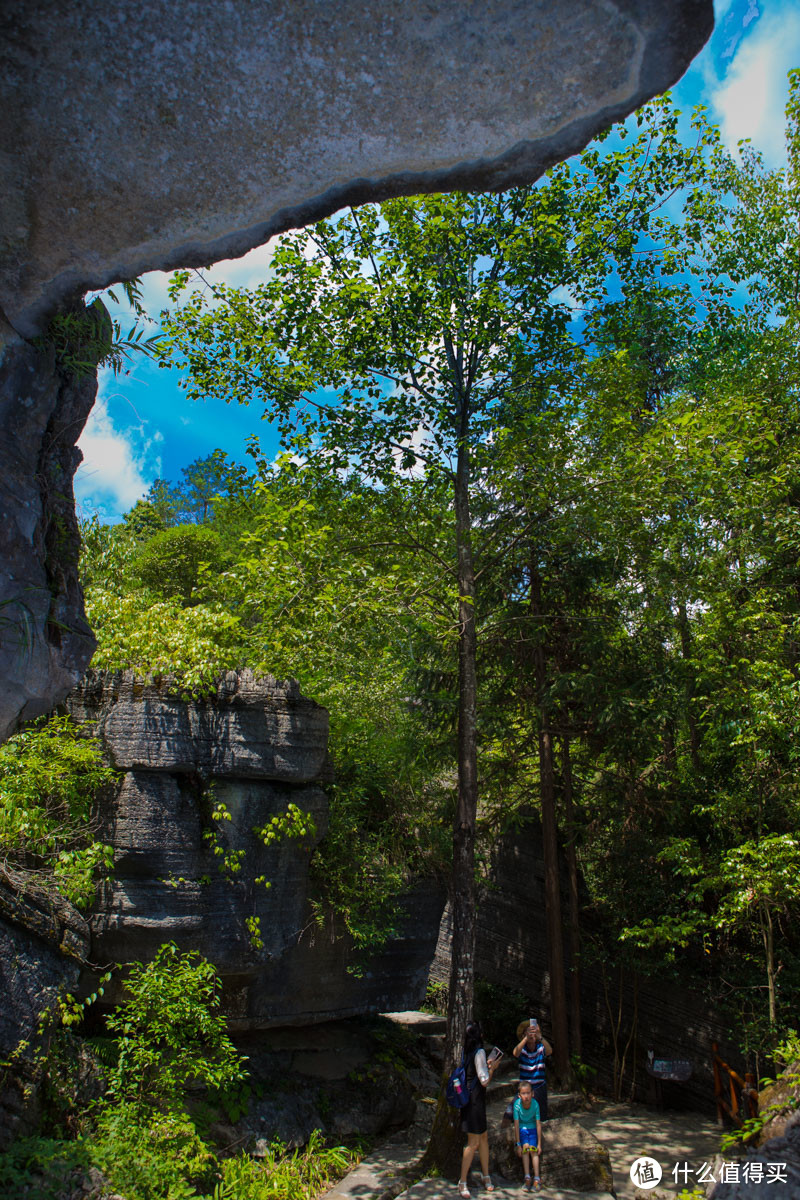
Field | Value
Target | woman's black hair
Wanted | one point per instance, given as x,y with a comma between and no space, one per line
473,1038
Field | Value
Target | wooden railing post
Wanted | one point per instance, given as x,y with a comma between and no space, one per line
717,1084
743,1103
734,1100
750,1096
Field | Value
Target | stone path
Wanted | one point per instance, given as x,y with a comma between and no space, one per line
627,1131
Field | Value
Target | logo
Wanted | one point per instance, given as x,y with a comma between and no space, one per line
645,1172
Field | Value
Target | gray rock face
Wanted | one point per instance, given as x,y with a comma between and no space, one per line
45,641
42,942
255,747
776,1164
208,128
250,729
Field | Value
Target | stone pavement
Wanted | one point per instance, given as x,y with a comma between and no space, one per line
445,1189
380,1176
628,1132
631,1130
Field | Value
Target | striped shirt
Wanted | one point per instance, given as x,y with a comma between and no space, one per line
531,1065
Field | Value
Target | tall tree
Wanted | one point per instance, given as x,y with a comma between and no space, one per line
385,342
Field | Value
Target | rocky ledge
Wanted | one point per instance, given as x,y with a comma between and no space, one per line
255,746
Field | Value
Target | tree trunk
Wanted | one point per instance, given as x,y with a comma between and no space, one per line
552,891
768,936
686,653
444,1147
576,1044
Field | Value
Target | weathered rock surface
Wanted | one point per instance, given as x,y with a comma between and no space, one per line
45,642
205,130
255,746
572,1159
43,939
779,1102
778,1154
258,118
346,1078
251,728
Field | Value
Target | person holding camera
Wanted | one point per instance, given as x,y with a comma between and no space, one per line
532,1049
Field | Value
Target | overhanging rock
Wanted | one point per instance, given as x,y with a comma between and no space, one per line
162,135
135,137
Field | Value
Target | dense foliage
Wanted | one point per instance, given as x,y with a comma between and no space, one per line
587,392
634,506
169,1039
50,776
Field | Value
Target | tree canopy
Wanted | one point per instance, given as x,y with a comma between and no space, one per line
533,540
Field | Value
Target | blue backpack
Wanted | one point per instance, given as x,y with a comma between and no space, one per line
457,1092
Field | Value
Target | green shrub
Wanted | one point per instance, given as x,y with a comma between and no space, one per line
172,562
171,1032
300,1175
151,1155
163,638
50,775
38,1166
436,997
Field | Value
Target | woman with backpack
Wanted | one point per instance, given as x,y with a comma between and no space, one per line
473,1116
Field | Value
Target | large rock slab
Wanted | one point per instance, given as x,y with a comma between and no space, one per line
249,728
43,940
572,1158
254,746
260,117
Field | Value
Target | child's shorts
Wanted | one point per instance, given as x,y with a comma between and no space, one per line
528,1139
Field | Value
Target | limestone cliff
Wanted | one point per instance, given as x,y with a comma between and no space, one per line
255,746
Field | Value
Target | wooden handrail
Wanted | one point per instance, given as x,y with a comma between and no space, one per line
739,1108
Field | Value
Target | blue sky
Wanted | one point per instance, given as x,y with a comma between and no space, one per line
143,427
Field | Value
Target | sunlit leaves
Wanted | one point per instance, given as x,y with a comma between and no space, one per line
50,776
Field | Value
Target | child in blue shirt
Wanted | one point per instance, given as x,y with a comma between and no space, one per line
528,1133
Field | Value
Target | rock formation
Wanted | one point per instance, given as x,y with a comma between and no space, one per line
255,746
165,135
45,642
208,128
775,1164
43,941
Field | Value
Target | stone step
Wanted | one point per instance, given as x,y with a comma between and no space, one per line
419,1022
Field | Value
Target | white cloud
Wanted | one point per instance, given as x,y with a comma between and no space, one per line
749,101
245,272
118,466
418,441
